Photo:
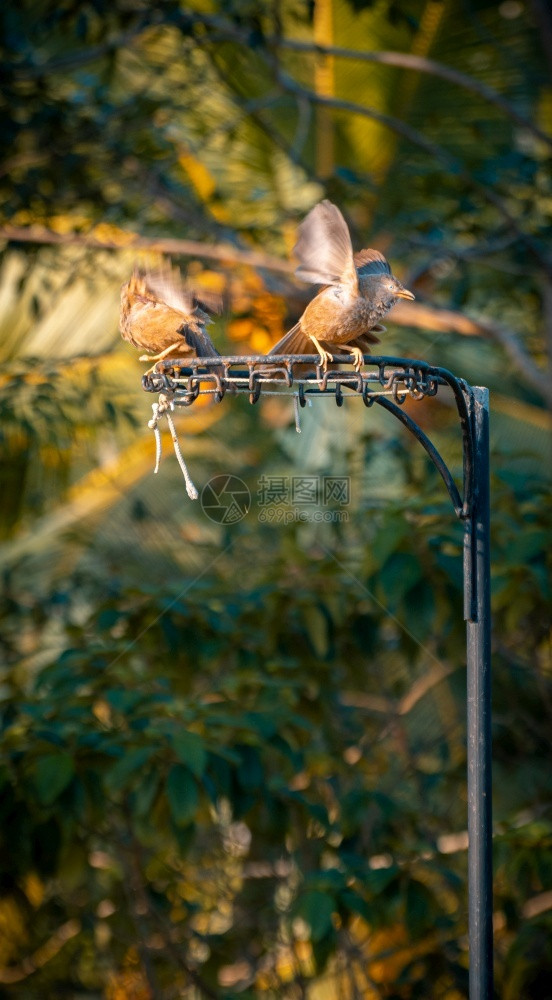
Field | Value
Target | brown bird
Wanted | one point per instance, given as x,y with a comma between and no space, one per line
159,314
359,290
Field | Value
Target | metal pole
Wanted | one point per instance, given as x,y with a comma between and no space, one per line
478,614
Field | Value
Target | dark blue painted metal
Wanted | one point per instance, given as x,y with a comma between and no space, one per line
477,581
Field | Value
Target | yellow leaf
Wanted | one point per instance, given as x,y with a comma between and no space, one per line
240,329
34,889
113,234
260,341
199,175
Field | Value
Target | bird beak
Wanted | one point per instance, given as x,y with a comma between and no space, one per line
403,293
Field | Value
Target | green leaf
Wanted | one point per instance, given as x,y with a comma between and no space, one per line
401,572
316,909
182,795
356,904
128,766
146,792
264,723
250,772
387,540
190,750
331,878
108,618
123,701
377,879
317,626
420,908
46,842
52,775
419,609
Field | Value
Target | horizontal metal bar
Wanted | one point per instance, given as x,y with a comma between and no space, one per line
190,365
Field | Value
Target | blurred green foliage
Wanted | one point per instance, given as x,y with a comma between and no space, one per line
232,757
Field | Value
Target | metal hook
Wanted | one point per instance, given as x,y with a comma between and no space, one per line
367,398
254,387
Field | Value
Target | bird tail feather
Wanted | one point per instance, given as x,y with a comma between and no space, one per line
295,341
200,341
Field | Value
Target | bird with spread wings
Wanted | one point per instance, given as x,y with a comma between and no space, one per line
359,289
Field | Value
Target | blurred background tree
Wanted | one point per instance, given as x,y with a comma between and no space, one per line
241,784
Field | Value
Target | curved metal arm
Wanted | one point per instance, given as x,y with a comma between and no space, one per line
434,455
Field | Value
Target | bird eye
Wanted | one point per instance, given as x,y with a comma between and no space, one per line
391,286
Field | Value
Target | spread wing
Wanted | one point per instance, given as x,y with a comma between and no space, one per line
167,285
324,249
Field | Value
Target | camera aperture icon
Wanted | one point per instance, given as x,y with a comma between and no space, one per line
225,499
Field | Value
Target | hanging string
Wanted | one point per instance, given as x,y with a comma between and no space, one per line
152,424
160,409
190,488
297,412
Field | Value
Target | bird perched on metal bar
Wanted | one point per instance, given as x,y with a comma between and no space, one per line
359,290
160,315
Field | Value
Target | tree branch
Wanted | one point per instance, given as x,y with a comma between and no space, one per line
402,60
72,60
163,244
434,149
230,32
453,165
382,705
406,60
44,954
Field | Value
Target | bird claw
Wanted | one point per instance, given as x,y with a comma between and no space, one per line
359,358
152,368
325,358
357,355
